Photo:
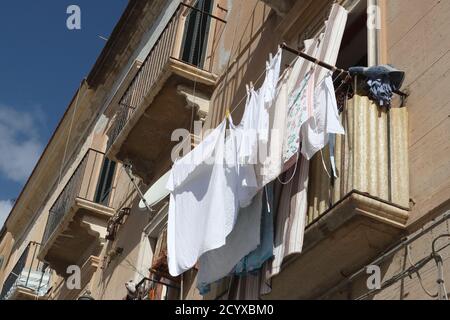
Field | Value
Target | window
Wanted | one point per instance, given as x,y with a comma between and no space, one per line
354,45
196,32
354,49
104,186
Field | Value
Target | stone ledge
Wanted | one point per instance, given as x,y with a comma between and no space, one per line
344,239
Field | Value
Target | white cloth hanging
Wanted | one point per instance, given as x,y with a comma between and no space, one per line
251,135
331,39
325,121
273,163
206,194
266,95
255,123
245,237
247,130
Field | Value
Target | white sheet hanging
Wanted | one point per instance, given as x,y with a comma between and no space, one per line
252,134
206,194
245,237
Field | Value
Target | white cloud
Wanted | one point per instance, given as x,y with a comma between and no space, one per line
5,208
20,145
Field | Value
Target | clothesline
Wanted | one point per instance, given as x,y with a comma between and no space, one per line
304,56
316,61
232,234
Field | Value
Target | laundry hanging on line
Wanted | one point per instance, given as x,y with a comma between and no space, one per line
207,199
315,134
208,186
252,134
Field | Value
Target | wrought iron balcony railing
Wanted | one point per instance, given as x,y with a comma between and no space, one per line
153,289
29,273
84,184
186,38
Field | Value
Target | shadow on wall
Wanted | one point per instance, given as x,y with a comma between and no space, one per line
246,63
122,267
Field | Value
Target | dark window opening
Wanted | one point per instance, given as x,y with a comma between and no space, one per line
354,45
353,51
104,186
196,32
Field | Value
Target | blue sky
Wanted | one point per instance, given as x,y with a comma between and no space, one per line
41,66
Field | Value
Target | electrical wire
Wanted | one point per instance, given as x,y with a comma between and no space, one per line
413,269
442,292
419,277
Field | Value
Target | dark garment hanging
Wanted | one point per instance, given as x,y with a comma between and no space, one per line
379,83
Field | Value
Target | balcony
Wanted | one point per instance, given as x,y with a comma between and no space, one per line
77,220
171,90
29,279
61,292
153,289
357,216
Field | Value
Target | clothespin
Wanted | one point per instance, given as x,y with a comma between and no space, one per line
314,66
227,114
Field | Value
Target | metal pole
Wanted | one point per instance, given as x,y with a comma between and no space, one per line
325,65
133,180
31,265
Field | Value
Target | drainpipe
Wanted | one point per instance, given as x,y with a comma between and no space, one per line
373,32
375,57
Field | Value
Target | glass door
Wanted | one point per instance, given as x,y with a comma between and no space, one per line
196,32
104,186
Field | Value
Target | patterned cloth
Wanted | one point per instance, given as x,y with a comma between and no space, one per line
299,111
